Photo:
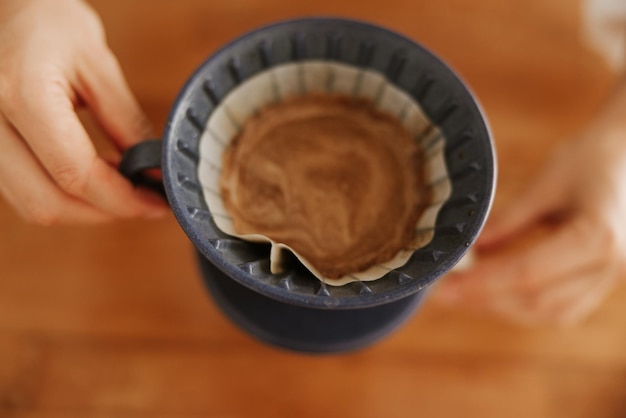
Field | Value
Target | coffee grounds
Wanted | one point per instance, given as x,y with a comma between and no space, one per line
332,177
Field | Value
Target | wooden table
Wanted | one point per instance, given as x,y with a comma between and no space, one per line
113,321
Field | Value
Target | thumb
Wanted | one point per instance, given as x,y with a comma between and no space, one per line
103,87
537,201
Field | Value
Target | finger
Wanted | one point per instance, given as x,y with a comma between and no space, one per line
101,84
560,300
576,296
567,300
533,204
61,144
486,298
29,189
529,308
571,247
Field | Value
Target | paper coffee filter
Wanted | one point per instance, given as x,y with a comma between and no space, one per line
301,78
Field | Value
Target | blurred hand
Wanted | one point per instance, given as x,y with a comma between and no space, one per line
54,58
561,276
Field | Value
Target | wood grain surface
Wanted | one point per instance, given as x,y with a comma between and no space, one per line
113,321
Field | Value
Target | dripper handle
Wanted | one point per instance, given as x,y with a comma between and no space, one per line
139,158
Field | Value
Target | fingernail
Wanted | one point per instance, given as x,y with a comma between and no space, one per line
488,230
488,235
448,294
151,198
157,214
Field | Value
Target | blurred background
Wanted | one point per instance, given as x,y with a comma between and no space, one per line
114,320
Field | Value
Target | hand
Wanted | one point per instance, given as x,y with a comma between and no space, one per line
54,58
561,275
